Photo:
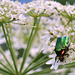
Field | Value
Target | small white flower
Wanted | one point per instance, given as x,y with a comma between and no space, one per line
55,63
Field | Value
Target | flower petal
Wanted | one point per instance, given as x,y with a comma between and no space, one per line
52,56
50,61
55,65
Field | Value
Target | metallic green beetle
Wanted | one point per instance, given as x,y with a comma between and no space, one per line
61,48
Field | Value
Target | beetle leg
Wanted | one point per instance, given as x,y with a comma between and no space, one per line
71,49
56,58
67,55
68,44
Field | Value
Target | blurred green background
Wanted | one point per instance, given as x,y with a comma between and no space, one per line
64,1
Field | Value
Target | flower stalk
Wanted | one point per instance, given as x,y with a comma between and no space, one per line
26,52
1,51
10,49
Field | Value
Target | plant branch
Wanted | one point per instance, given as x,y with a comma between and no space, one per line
6,59
26,52
10,49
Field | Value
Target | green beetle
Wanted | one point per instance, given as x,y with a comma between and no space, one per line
61,48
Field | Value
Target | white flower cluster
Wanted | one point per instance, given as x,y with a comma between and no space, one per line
54,23
11,11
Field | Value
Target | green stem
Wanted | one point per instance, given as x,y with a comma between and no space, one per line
5,71
10,43
41,59
26,52
32,41
32,61
6,59
6,67
12,39
36,65
44,71
10,49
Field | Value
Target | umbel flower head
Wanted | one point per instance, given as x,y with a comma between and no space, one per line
63,54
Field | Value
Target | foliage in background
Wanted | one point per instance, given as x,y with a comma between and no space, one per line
64,1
